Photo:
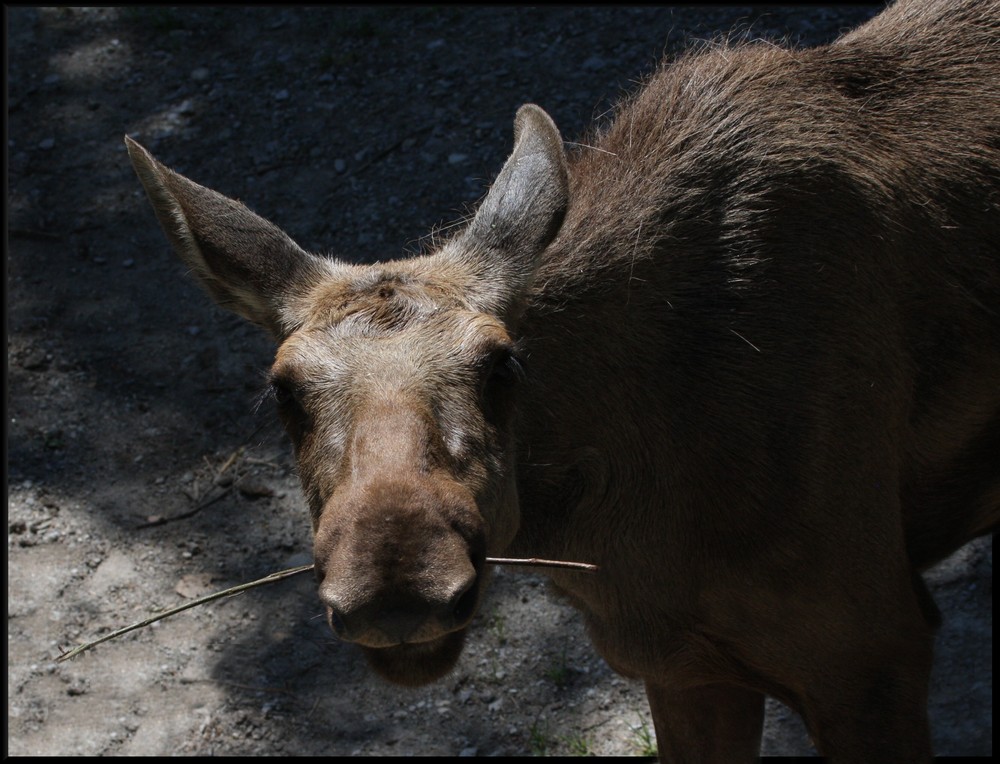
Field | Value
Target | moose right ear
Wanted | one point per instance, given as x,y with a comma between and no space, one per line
246,263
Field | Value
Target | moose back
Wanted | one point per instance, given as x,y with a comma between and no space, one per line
740,349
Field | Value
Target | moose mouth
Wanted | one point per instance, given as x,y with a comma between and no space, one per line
417,663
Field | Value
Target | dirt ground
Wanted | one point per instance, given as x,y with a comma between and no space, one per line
141,473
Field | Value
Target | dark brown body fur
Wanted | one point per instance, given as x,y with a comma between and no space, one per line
760,315
794,295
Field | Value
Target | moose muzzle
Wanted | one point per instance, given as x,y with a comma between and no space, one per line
399,561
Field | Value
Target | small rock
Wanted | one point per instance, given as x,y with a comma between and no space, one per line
35,359
194,585
254,489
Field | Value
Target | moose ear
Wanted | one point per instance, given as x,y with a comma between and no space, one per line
244,262
521,214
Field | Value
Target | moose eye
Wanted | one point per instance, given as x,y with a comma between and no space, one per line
508,369
504,372
286,397
282,393
290,408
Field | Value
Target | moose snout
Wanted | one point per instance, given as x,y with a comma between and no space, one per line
394,618
399,564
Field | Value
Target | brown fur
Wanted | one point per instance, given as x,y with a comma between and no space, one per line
760,315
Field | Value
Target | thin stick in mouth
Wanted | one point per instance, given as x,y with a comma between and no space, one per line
283,574
535,561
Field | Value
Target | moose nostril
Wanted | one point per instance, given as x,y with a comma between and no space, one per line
336,621
336,615
463,603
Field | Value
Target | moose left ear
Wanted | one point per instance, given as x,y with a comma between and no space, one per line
246,263
521,214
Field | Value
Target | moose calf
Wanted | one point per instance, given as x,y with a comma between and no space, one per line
741,351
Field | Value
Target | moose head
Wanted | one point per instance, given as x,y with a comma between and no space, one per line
398,385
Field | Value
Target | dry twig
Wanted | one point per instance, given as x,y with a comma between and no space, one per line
538,563
283,574
156,520
269,579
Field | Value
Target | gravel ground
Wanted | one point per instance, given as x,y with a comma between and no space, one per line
140,472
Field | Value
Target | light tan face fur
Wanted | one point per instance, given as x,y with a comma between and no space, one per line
400,405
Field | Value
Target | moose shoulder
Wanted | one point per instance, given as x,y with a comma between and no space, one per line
741,350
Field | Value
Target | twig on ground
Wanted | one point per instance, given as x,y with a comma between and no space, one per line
157,520
31,233
230,461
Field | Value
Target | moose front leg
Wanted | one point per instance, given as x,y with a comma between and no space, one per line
705,725
878,712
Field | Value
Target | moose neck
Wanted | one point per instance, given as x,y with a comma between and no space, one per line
591,340
612,308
